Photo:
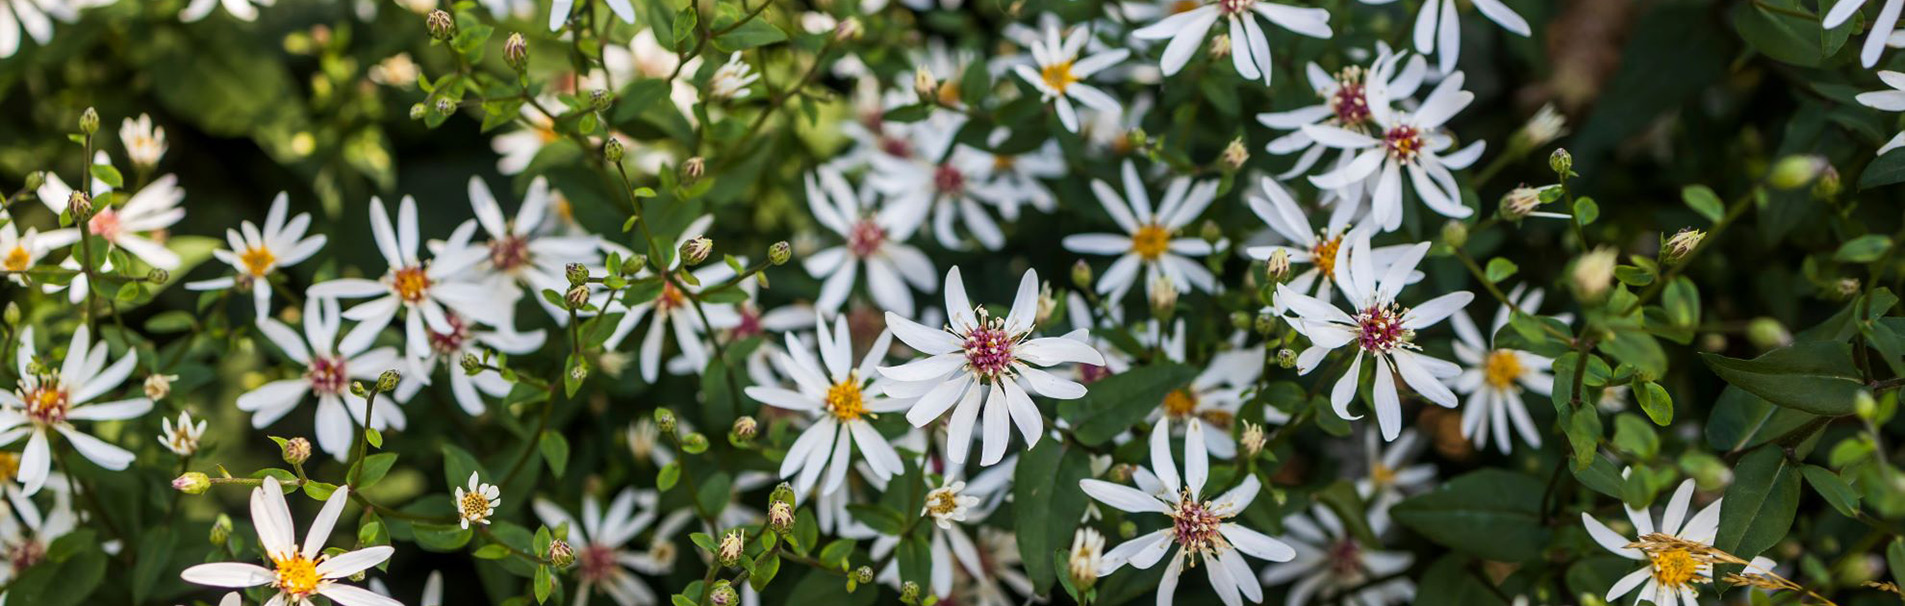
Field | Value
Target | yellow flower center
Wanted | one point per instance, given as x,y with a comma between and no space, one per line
9,466
547,135
942,502
17,259
1324,255
1502,368
1184,6
1179,404
1674,568
845,401
1058,75
297,575
1151,241
949,93
474,505
258,260
410,283
1381,474
1004,163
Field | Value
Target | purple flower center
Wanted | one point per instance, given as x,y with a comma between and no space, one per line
865,238
326,375
1379,329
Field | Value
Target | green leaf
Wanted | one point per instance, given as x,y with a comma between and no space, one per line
878,517
1500,269
1118,402
752,33
1584,433
108,175
1741,420
714,492
1600,475
441,537
1046,481
1883,171
1702,200
492,551
372,469
545,582
685,23
1655,402
1586,211
555,450
155,549
764,570
1785,34
1769,483
1834,489
837,553
1816,376
1863,249
1492,514
459,465
670,474
374,437
1634,436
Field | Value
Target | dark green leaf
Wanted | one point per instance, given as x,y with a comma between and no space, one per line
1492,514
1817,377
1123,400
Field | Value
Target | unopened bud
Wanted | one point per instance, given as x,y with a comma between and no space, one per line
1081,275
633,264
79,204
472,365
1545,126
1675,249
1252,440
446,106
158,276
1265,323
1594,273
780,252
577,297
847,29
612,150
1848,287
1518,202
441,25
1210,232
1235,154
12,314
357,389
419,111
221,530
561,554
1277,267
297,451
730,549
694,443
89,121
1220,46
1767,333
1163,297
925,85
1047,304
696,250
1827,187
516,52
387,381
192,482
692,169
665,420
1241,320
1796,171
864,574
909,593
1864,405
579,371
1286,358
780,516
1119,473
745,428
1561,162
601,99
577,274
1455,233
723,594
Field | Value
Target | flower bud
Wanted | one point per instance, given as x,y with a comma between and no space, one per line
1235,154
1240,320
665,420
1286,358
847,29
1796,171
863,574
441,25
780,252
1119,473
1594,273
579,371
1848,287
1545,126
1683,243
744,429
418,111
633,264
723,593
612,150
387,381
1827,187
12,315
1210,232
1252,440
157,387
1047,303
692,169
729,552
192,482
780,516
158,276
79,204
472,365
601,99
925,85
221,530
1518,202
89,121
577,297
297,451
1081,275
1220,46
1277,267
1864,405
561,554
1163,297
516,52
909,593
446,106
576,273
1767,333
696,250
1265,323
694,443
1561,162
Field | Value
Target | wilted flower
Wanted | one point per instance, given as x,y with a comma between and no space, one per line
1088,547
516,51
440,24
1594,272
1544,127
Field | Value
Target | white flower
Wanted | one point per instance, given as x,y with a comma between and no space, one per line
1438,29
1012,179
1088,549
645,57
36,17
145,143
426,292
1149,241
602,559
1400,142
1345,104
477,504
329,369
930,172
152,209
19,252
1379,327
53,399
1332,564
731,80
559,12
297,573
1200,528
432,591
1496,377
1001,565
1890,100
1669,575
979,358
396,70
1060,73
519,9
840,396
1878,30
672,309
519,147
1393,473
950,507
182,439
241,10
1214,398
23,541
1250,48
257,254
945,505
448,348
1317,248
521,254
875,239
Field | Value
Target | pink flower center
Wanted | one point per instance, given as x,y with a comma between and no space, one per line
597,562
949,180
1379,329
1403,142
866,238
105,224
1195,526
47,403
1351,107
989,349
896,147
326,375
24,555
453,341
1346,559
1091,373
509,252
1235,7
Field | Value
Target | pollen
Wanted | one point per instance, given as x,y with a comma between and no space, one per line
1058,75
47,403
1151,241
257,260
297,576
1501,369
1674,567
989,348
942,502
17,259
866,238
1180,403
474,506
9,465
1196,528
845,399
410,283
1349,102
1380,330
1324,254
1403,143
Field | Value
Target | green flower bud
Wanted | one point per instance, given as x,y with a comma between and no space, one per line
1562,162
694,443
780,252
516,52
665,420
192,482
1767,333
297,451
387,381
601,99
158,276
472,365
560,554
612,150
723,594
1796,171
1081,275
89,121
419,111
696,250
221,530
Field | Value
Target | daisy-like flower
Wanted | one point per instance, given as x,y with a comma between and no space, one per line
1249,47
241,10
1060,73
978,361
1345,104
19,252
1214,398
875,239
329,369
1669,574
519,147
478,503
1402,142
1332,564
448,348
1496,377
520,254
1393,474
1890,100
1316,248
842,398
929,172
603,560
1015,179
257,254
51,399
559,12
1438,28
145,143
182,439
1088,549
950,507
945,505
672,310
1201,529
426,292
128,226
1378,326
297,572
1878,31
732,79
1149,241
23,540
36,17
